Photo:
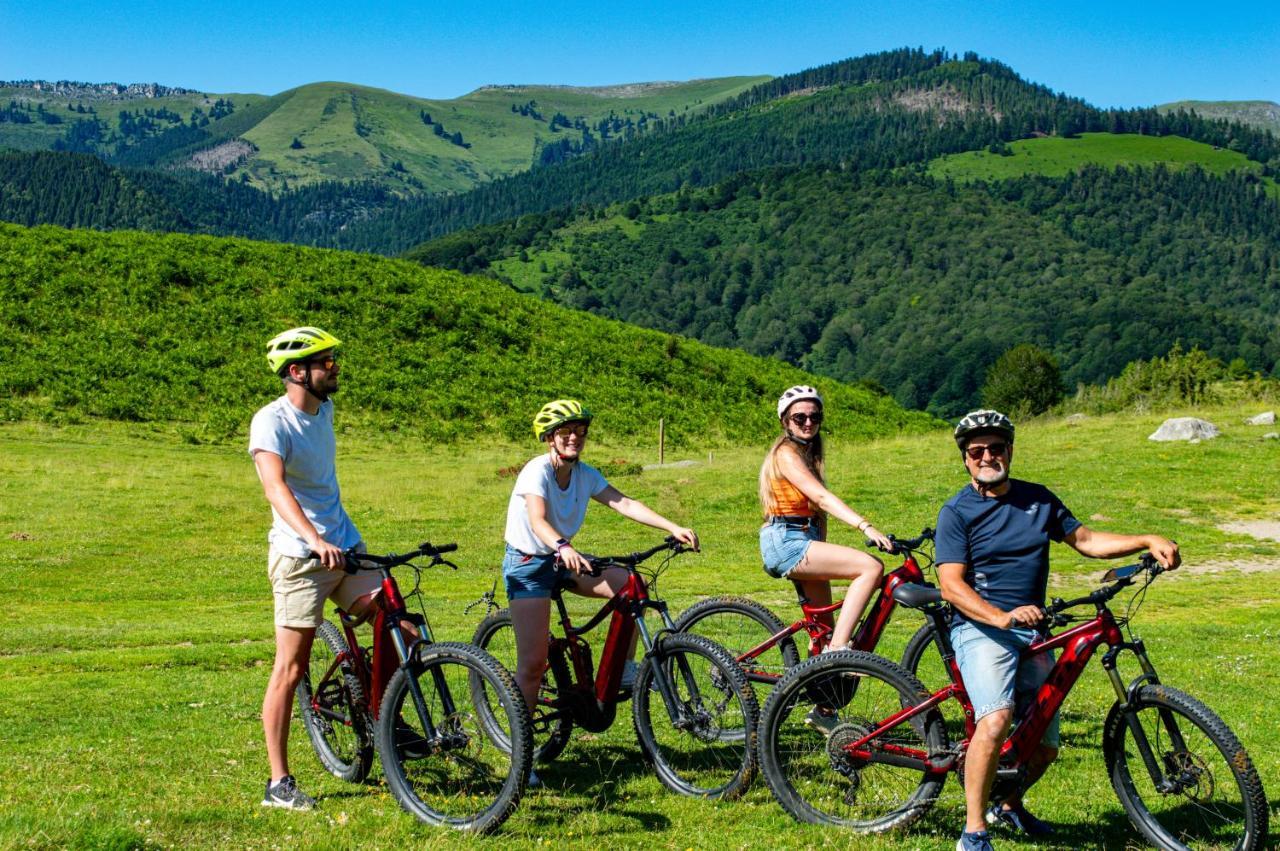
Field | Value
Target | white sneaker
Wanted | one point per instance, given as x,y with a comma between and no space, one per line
821,722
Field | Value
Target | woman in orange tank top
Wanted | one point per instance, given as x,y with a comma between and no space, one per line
797,504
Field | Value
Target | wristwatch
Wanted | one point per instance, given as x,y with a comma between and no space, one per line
561,543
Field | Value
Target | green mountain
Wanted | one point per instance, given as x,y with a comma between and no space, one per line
883,110
1263,114
171,329
917,283
344,132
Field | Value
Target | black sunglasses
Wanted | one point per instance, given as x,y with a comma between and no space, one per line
975,453
801,419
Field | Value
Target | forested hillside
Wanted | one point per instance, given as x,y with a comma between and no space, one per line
172,328
880,111
916,283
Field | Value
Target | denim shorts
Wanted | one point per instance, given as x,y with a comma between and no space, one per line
784,545
995,675
529,575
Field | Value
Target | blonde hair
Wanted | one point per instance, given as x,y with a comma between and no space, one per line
811,455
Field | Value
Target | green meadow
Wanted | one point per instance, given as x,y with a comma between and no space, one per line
134,658
1056,156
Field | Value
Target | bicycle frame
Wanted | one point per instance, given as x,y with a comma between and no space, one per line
1077,644
597,693
865,637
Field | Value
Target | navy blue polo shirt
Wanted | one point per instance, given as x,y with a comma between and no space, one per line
1003,541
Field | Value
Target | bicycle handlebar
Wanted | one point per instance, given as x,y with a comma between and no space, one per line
630,561
426,548
1120,577
905,547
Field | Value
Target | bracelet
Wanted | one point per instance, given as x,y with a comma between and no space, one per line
862,527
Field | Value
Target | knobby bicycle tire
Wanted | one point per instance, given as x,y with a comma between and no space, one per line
1215,800
345,748
469,783
802,739
694,757
738,624
552,727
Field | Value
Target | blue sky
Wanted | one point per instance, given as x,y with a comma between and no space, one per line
1110,53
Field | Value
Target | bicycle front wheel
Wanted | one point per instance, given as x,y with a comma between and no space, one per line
552,726
1205,793
814,716
333,709
690,749
454,775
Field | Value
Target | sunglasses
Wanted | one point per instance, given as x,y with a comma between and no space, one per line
997,450
578,429
326,362
801,419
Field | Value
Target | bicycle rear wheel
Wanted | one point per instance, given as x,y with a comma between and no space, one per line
740,624
458,778
1208,795
334,711
551,725
691,752
804,739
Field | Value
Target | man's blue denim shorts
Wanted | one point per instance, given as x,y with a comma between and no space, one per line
529,575
783,545
995,674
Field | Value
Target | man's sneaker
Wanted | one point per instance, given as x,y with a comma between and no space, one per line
286,794
974,842
629,671
822,719
535,782
1019,819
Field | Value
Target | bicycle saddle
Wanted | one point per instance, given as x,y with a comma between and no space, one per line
916,596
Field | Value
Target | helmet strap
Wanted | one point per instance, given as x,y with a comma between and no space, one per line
306,383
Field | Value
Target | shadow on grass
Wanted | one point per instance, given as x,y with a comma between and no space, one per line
591,780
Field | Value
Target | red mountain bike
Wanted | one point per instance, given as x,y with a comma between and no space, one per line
1182,776
688,691
411,698
765,648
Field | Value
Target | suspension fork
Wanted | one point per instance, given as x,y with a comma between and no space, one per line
666,688
419,702
1126,696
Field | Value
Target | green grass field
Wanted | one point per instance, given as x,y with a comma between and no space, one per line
134,658
1055,156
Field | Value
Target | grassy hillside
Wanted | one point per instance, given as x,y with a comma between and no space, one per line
1264,114
130,688
1058,156
171,330
353,133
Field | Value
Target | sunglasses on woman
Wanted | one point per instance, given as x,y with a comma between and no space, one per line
801,419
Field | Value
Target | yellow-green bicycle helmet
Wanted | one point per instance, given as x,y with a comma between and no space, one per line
557,413
298,344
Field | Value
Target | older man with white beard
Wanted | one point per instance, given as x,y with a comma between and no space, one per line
992,551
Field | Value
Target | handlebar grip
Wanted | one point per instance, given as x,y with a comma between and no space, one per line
438,550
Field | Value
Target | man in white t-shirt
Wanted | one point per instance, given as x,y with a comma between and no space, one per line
292,444
547,507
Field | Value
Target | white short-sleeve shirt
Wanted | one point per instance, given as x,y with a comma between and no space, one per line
306,445
566,507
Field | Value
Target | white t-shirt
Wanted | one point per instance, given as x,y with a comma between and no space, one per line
307,446
566,509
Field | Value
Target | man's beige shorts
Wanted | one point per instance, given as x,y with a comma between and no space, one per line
301,585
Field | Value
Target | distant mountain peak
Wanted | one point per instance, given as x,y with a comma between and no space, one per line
97,91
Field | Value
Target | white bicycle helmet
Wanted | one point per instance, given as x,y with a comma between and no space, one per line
983,422
795,394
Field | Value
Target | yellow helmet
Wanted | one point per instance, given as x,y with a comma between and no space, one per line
557,413
298,344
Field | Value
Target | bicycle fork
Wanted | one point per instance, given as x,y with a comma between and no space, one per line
1126,696
435,740
677,710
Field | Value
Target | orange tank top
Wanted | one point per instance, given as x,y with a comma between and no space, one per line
788,500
